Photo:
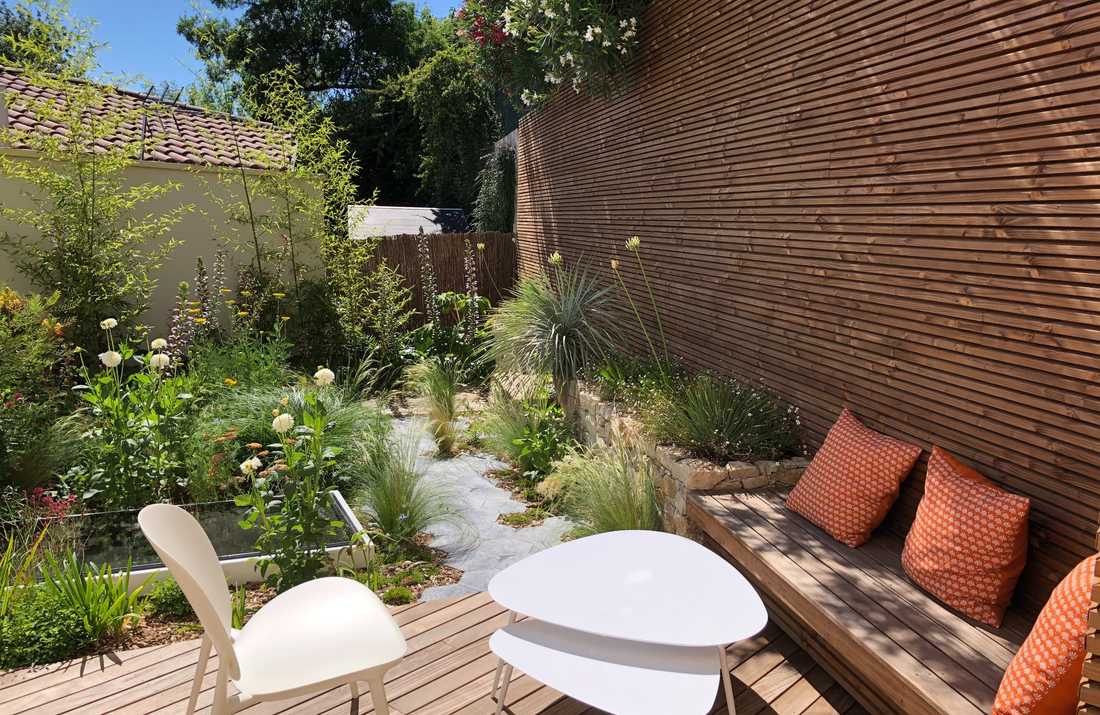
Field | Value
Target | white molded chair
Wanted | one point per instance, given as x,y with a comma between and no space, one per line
321,634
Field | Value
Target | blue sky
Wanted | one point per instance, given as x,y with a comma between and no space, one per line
142,38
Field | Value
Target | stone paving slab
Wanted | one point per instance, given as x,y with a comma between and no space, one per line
475,542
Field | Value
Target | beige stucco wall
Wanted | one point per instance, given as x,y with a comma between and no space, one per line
198,230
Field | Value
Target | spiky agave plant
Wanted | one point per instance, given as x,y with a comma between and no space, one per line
438,380
558,327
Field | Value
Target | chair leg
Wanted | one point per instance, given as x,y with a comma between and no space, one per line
221,694
354,690
504,688
726,682
378,693
200,671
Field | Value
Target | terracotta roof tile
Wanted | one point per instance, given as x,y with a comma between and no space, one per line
173,132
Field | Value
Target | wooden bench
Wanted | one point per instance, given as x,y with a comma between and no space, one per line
895,648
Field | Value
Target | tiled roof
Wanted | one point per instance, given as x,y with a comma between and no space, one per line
164,131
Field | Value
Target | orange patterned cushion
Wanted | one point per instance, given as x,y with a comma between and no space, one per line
852,480
968,543
1044,677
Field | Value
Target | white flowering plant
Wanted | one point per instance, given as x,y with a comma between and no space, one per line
135,418
531,47
289,503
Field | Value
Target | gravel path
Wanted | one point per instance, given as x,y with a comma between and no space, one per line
476,543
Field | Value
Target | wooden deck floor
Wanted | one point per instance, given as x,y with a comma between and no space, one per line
449,669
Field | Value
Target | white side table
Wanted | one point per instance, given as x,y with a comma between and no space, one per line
608,603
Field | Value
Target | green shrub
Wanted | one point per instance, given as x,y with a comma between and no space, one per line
31,345
237,418
41,628
398,595
561,326
100,597
532,433
240,363
722,420
167,600
396,498
438,381
610,489
633,382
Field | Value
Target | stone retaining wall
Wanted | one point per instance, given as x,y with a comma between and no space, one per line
678,473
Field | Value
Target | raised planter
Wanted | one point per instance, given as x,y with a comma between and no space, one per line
115,538
679,472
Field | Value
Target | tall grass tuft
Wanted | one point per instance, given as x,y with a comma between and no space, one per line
396,497
531,433
609,488
101,597
559,327
722,420
437,380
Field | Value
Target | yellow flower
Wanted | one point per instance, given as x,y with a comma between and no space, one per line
242,313
481,246
555,259
199,321
274,413
230,302
224,291
230,382
633,243
284,318
280,296
285,401
246,293
194,311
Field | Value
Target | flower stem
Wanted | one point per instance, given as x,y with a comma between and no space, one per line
653,302
630,300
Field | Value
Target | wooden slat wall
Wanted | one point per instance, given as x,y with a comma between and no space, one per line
887,203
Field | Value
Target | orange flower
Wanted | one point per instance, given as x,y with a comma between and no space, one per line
254,445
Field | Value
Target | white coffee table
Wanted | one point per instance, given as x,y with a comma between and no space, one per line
632,622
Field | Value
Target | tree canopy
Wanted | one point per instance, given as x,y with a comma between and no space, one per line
405,95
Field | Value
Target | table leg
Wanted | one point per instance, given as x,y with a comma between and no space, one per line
504,688
726,682
500,661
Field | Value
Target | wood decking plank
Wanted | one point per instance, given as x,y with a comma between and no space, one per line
448,670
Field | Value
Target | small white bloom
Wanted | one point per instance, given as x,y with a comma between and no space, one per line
159,344
550,14
623,23
108,323
607,43
249,466
282,423
324,376
592,32
110,358
160,361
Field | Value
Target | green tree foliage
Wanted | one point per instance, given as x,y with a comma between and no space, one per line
21,21
495,205
458,122
88,234
404,98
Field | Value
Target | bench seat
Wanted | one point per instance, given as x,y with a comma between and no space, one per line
894,647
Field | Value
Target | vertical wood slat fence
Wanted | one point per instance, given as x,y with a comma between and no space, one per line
496,265
889,204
